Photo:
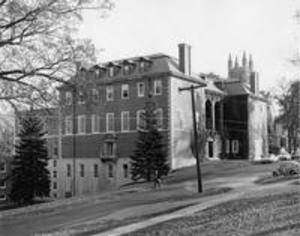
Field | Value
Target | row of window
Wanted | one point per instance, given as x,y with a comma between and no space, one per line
110,122
157,90
113,69
110,171
233,148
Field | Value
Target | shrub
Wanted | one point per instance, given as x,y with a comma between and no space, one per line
288,168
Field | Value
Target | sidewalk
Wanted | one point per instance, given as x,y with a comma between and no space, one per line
241,191
211,201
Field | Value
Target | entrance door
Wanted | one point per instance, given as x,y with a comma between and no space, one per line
210,149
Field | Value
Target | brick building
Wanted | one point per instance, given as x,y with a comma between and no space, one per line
93,132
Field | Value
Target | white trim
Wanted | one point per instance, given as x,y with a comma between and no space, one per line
123,113
68,121
139,92
107,122
138,118
95,124
157,84
124,87
81,127
109,90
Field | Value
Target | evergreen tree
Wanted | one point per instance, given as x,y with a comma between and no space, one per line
150,155
30,176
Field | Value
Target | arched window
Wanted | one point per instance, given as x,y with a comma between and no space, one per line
217,116
208,114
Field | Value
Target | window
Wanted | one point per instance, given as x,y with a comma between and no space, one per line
68,125
235,146
157,87
2,184
54,174
125,121
159,118
126,69
110,122
96,172
95,95
55,151
54,163
125,170
125,91
110,170
80,97
54,195
111,71
54,185
69,170
81,170
95,124
109,93
110,148
227,146
2,166
140,119
68,98
141,89
81,124
2,197
142,66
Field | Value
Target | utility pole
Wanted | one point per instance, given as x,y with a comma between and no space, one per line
74,99
192,89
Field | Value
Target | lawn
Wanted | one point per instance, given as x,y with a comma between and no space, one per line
261,216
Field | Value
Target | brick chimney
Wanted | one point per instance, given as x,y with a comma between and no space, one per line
184,56
254,82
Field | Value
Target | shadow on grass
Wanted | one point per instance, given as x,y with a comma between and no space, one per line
272,180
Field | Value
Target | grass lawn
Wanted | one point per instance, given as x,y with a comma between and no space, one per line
269,179
274,215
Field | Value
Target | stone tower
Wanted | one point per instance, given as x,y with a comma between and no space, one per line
241,72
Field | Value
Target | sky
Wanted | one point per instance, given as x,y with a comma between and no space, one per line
214,28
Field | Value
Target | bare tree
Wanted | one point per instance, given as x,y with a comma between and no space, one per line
38,48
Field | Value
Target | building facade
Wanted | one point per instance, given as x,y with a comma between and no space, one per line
93,132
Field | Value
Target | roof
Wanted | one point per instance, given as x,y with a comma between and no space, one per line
159,64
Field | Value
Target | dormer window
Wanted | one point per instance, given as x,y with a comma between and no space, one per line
111,71
126,69
144,64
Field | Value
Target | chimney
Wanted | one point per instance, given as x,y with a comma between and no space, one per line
184,51
254,83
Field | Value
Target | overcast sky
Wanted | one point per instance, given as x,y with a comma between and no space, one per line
265,28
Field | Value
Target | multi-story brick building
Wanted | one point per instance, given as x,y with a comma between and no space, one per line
93,132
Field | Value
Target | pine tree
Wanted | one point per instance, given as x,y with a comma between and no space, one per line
150,155
30,177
